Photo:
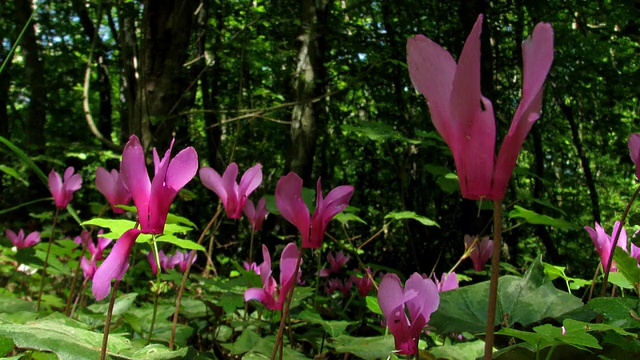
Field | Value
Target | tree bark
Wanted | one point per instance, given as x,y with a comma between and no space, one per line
308,83
34,74
209,85
166,28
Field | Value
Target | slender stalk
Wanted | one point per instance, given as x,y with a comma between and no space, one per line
607,269
251,246
107,324
495,273
75,303
156,257
184,279
46,259
285,313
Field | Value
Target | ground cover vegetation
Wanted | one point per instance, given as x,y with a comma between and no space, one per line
319,179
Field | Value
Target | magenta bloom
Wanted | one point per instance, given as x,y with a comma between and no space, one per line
421,298
634,151
62,191
335,263
111,186
465,119
251,267
153,198
447,281
255,214
336,284
481,252
272,295
292,207
232,195
20,241
182,259
89,266
603,242
363,283
115,265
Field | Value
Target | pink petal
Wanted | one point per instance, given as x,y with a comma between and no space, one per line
288,274
537,55
336,201
634,151
260,295
265,267
105,183
291,206
182,168
251,179
472,117
55,186
88,269
13,236
213,181
432,69
421,306
32,239
115,265
136,178
391,299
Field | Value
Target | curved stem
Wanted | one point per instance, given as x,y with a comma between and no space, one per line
607,268
495,273
75,303
184,280
46,259
107,324
285,313
156,258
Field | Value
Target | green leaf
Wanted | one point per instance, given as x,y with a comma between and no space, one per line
377,347
181,243
617,311
67,342
627,265
525,300
333,327
345,217
250,343
401,215
533,217
459,351
116,227
372,304
14,174
122,305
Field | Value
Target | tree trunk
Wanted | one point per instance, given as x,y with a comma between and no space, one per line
166,29
308,83
128,59
34,74
209,86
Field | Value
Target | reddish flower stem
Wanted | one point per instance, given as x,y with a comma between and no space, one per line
107,324
495,273
184,279
46,259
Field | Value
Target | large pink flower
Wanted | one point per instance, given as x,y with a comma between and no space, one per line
465,118
62,191
232,195
634,151
272,295
115,265
20,241
420,297
111,186
153,198
292,207
481,252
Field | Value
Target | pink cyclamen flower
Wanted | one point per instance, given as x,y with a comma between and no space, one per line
153,198
292,207
421,298
603,242
446,282
62,191
251,267
465,119
182,259
336,284
335,263
115,265
481,252
111,186
232,194
634,151
90,265
363,283
20,241
255,214
272,295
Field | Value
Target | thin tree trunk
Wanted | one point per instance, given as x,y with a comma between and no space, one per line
128,58
308,83
209,88
34,74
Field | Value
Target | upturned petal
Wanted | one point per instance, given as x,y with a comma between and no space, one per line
391,299
136,178
55,186
31,239
537,56
115,265
291,206
634,151
336,201
288,274
251,179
